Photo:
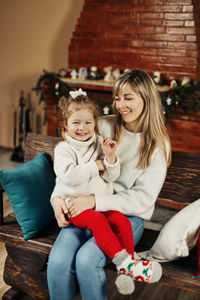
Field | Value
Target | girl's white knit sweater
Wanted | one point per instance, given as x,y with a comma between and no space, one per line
135,190
76,171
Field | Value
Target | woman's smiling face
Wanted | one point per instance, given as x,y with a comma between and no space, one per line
130,105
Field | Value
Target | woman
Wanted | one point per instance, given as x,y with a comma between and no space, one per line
144,153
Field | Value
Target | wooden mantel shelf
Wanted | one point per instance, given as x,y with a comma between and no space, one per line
98,84
89,84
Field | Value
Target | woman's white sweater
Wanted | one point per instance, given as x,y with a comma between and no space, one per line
76,171
135,190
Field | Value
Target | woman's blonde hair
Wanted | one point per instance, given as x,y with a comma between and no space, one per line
80,102
152,124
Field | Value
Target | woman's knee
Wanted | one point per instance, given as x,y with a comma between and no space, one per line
69,240
89,257
60,262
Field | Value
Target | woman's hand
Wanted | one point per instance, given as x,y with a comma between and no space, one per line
60,211
79,204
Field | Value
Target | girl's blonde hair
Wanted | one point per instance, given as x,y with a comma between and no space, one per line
80,102
152,124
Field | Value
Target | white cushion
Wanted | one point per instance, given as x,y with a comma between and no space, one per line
177,237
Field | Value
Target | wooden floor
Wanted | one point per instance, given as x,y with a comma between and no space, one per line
142,291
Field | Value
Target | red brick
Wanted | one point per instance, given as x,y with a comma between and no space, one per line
181,146
178,16
168,8
87,15
191,53
88,27
51,131
143,51
169,37
173,23
105,43
194,140
171,52
184,46
186,2
117,14
155,44
141,8
188,8
141,29
189,23
122,20
154,59
178,69
137,43
175,30
73,47
123,43
191,38
151,22
151,16
147,2
180,60
160,30
113,28
82,41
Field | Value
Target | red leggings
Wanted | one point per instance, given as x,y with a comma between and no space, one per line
111,230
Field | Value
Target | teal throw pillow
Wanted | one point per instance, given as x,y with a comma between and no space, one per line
29,188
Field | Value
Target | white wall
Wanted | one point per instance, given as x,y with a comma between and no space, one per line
34,35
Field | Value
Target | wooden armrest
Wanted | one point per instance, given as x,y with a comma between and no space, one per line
170,203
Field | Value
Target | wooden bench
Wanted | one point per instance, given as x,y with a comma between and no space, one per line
26,262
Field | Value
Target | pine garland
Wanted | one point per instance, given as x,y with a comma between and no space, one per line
49,84
183,99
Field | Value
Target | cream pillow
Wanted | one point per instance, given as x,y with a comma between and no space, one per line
177,237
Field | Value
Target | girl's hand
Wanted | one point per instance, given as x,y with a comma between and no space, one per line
109,148
79,204
100,165
60,211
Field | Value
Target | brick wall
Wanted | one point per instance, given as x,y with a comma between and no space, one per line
184,133
151,35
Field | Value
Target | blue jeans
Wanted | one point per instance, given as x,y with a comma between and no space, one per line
76,260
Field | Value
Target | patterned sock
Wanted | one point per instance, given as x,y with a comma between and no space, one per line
124,283
141,270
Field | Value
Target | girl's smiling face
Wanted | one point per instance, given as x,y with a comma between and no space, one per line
130,105
80,125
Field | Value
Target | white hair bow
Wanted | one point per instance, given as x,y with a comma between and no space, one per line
77,93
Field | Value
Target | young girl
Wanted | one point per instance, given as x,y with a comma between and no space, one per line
144,153
77,165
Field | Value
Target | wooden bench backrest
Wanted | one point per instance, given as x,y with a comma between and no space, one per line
37,143
182,184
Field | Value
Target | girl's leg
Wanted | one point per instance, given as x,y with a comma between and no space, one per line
121,226
90,263
98,223
61,265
